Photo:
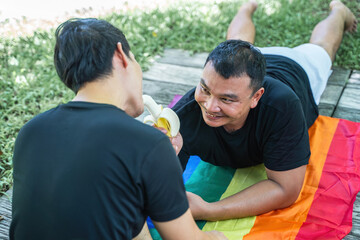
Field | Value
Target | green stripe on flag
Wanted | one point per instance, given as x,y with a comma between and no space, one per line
209,182
237,228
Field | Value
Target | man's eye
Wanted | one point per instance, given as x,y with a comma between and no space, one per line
226,100
204,90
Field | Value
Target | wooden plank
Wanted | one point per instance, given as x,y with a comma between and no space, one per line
339,76
347,113
356,208
355,230
349,105
5,212
354,81
351,237
183,58
164,92
326,110
173,74
4,236
329,99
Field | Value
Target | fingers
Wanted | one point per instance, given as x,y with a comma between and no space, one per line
163,130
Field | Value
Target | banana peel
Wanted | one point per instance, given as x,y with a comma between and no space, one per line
161,117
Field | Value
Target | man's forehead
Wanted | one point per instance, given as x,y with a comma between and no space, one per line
210,69
210,75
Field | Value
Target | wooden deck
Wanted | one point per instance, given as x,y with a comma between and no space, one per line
176,72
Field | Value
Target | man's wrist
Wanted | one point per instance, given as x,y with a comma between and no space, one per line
211,211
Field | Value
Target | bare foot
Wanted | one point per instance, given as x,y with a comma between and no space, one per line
242,26
349,18
249,7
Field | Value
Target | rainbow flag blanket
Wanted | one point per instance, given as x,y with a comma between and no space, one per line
322,211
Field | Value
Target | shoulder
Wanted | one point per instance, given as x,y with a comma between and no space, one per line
189,113
279,108
278,95
186,104
124,128
36,123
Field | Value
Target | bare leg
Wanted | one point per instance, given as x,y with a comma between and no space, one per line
242,26
329,32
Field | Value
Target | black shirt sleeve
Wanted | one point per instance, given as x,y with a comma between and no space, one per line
165,197
287,140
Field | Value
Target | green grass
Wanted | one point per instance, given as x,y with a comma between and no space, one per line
29,84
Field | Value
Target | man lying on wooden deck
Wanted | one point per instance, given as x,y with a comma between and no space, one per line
255,106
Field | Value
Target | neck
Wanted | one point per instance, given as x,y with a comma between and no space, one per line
100,91
232,127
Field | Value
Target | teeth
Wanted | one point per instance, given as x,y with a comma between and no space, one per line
211,115
161,117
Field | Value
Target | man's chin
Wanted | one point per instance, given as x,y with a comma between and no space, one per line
213,123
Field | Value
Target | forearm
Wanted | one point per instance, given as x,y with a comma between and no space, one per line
184,227
259,198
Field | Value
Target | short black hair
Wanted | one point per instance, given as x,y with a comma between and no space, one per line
84,50
233,58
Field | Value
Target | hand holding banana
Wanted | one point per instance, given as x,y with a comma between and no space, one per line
161,117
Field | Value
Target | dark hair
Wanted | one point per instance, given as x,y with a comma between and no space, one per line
84,50
233,58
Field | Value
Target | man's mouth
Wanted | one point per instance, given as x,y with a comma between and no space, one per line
211,115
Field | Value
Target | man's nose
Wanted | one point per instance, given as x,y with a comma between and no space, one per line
211,104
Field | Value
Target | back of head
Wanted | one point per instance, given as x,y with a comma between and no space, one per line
84,50
234,58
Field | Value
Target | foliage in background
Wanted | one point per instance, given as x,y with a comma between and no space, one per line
29,84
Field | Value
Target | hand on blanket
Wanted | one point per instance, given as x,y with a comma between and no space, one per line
197,206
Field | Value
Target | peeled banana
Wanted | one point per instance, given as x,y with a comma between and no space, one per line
161,117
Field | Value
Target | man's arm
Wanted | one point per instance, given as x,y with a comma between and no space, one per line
184,227
280,190
144,234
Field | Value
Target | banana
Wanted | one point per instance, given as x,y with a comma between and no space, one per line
161,117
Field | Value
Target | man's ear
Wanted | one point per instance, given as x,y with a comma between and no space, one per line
256,97
119,53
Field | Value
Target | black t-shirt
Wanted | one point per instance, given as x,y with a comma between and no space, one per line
275,132
89,171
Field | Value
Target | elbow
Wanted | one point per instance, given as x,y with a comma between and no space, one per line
290,197
290,201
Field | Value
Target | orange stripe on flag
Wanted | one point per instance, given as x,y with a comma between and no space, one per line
285,223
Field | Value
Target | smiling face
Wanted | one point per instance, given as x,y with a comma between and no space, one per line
225,102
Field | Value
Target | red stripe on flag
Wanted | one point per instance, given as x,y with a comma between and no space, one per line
330,215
